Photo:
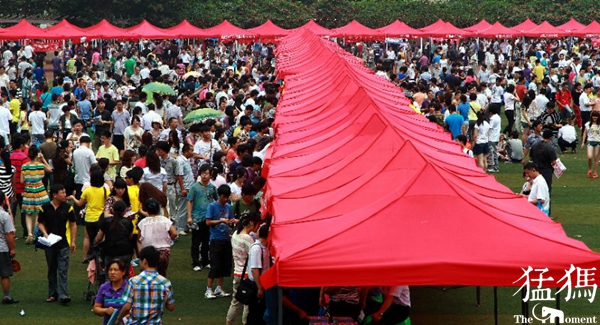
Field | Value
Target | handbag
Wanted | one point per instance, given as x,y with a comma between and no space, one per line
247,290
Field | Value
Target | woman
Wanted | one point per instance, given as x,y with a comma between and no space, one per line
217,177
241,240
110,295
66,121
153,173
35,194
530,113
133,134
592,136
118,193
126,162
7,171
509,108
62,164
239,178
174,143
155,131
158,231
481,134
142,152
233,144
147,139
116,231
95,198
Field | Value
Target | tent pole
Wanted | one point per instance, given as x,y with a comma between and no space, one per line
495,305
279,305
523,307
478,296
421,44
557,304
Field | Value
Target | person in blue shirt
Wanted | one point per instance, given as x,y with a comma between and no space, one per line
58,89
455,122
219,217
464,107
85,110
38,73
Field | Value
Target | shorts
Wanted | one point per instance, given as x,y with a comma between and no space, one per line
524,124
6,269
481,148
119,141
92,229
220,259
593,144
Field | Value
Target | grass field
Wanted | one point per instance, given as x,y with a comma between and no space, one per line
575,205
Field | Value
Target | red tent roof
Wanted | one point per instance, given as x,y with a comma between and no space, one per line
313,27
545,30
446,30
227,30
591,30
186,30
67,30
436,25
480,26
399,29
571,26
525,26
106,30
149,31
497,30
332,202
24,30
356,31
269,30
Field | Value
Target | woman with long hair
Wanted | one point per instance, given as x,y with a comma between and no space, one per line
217,175
109,299
239,178
133,134
62,162
174,142
118,193
153,173
592,136
126,162
509,108
141,161
149,191
116,231
7,171
35,194
148,139
158,231
481,134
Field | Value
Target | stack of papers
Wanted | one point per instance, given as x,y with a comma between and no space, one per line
51,240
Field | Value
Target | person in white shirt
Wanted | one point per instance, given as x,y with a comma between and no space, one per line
206,147
494,138
541,100
37,119
150,117
5,119
540,194
567,137
398,310
585,105
145,72
4,79
481,134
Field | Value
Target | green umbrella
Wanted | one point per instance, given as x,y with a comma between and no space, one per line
159,87
200,115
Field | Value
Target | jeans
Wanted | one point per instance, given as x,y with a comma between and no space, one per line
236,306
17,202
35,138
58,265
493,156
256,312
200,242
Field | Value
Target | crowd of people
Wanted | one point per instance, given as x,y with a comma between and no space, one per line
87,146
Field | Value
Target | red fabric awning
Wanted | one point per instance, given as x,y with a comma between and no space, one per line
439,23
446,30
571,26
480,26
399,29
525,26
227,30
591,30
106,30
148,31
269,30
356,31
67,30
545,30
364,191
313,27
186,30
497,30
24,30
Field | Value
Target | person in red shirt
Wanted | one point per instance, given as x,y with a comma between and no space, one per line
18,157
521,89
564,99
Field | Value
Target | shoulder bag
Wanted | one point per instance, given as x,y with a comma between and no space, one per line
247,290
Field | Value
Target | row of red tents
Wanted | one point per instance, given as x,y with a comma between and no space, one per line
364,191
353,31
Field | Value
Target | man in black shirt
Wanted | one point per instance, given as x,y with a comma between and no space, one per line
53,219
103,121
543,154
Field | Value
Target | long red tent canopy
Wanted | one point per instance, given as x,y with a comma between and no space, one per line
357,31
446,30
24,30
591,30
186,30
438,24
480,26
67,30
399,29
571,26
227,30
106,30
545,30
525,26
269,30
148,31
499,31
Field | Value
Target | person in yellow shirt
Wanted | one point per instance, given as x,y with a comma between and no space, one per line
109,151
15,109
539,70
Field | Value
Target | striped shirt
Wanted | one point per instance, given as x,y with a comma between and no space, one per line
148,293
18,158
6,181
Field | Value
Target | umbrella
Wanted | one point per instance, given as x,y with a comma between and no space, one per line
200,115
191,74
159,87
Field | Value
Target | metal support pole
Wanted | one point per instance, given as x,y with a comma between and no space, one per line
557,304
279,305
478,296
495,305
523,307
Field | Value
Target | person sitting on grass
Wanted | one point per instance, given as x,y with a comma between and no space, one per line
567,137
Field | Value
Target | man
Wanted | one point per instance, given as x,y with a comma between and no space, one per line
263,137
567,137
129,65
121,120
5,120
551,121
539,70
53,218
18,158
258,264
76,133
564,99
201,194
150,117
219,217
103,120
109,151
585,106
543,154
206,147
247,204
7,252
83,158
188,180
533,138
494,138
540,193
174,111
173,123
84,107
48,149
37,120
174,180
147,294
455,122
4,79
15,108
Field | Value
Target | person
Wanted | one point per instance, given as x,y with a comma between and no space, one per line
539,194
591,137
395,307
543,155
126,162
509,108
154,173
247,204
66,122
532,139
148,294
121,120
109,299
567,136
37,120
240,177
494,138
481,135
455,122
585,106
109,151
18,158
206,147
57,217
7,249
200,196
116,230
174,179
76,133
157,231
7,172
258,264
564,100
133,134
95,197
241,240
219,216
514,148
83,158
35,192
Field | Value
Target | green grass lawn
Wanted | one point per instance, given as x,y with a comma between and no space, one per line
575,205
